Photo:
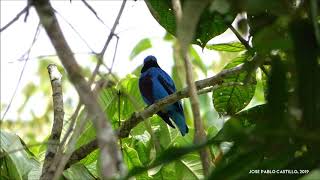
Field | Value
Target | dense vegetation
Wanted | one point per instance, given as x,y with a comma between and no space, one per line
265,117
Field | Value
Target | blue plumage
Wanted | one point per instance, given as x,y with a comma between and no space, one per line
155,84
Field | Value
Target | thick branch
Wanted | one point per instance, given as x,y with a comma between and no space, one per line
54,139
105,135
138,117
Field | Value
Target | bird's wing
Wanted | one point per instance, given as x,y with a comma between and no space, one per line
169,86
145,86
166,82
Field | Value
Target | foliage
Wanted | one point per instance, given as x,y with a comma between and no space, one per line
278,133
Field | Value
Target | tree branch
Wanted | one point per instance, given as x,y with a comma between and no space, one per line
101,54
105,135
24,10
187,21
240,38
149,111
58,110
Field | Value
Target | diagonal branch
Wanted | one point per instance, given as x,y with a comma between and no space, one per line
92,10
105,135
112,33
240,38
24,10
138,117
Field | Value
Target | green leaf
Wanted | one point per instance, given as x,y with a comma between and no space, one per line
9,169
141,46
88,134
108,100
211,23
78,172
189,167
164,133
166,172
19,161
231,99
131,157
228,47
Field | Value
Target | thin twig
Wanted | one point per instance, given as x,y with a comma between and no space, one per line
112,33
26,54
241,39
25,9
93,11
72,122
21,59
75,30
58,109
29,2
115,53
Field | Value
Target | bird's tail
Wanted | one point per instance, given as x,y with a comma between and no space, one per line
180,121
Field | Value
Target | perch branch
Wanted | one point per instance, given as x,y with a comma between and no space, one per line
58,113
105,135
149,111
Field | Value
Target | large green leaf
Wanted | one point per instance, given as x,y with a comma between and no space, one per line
229,100
127,94
164,172
78,172
131,157
141,46
18,160
131,99
228,47
211,23
189,167
109,102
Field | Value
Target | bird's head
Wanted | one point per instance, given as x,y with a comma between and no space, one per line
149,59
149,62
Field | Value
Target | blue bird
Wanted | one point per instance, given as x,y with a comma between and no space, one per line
155,84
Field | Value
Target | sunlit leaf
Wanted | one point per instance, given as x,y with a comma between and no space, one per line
190,167
18,158
78,172
141,46
132,160
228,47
